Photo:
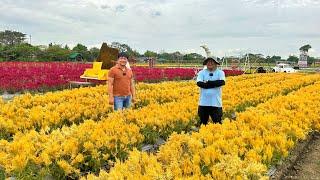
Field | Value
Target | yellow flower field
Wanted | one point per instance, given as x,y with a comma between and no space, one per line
46,134
241,149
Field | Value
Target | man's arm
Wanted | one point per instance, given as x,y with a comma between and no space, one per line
200,81
211,84
110,90
216,83
202,85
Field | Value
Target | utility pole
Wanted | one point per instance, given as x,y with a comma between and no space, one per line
30,38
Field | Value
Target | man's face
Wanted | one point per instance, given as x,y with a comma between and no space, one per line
211,65
122,61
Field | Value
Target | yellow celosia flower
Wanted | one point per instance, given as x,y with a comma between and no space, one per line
68,169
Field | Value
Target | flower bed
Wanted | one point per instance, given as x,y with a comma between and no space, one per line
19,76
44,76
158,74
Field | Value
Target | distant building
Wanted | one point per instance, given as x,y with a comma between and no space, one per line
75,57
303,59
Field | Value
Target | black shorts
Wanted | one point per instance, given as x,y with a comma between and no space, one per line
214,112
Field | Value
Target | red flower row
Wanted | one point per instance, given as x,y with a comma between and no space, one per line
158,74
19,76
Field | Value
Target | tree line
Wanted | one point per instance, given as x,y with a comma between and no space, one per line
14,47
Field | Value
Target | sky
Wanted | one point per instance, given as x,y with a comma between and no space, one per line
227,27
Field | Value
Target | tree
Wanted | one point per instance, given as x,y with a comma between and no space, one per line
257,58
117,45
268,60
294,59
8,37
305,48
66,47
25,51
150,54
311,60
135,53
192,56
83,50
54,53
80,48
272,59
165,55
177,55
121,47
94,53
276,58
1,52
22,52
125,48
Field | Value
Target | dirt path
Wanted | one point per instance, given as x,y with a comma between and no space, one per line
304,161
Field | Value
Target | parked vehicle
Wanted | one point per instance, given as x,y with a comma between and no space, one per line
282,67
260,70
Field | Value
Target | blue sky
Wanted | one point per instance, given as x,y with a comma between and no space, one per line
228,27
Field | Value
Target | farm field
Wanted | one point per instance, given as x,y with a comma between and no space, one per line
160,90
76,134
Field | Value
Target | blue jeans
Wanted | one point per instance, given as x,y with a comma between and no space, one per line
122,102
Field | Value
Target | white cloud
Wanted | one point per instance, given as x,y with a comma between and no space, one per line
262,26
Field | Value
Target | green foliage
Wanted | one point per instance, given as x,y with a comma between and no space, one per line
11,38
255,58
21,52
204,168
165,55
305,48
55,171
4,134
93,53
54,53
276,157
178,127
273,59
66,47
83,50
31,171
14,47
150,134
2,174
192,56
311,60
125,48
1,52
80,48
150,54
294,59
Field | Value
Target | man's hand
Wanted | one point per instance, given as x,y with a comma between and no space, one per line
111,100
133,99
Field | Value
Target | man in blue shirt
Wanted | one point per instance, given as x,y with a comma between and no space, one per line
210,81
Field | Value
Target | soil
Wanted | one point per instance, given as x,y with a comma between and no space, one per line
303,162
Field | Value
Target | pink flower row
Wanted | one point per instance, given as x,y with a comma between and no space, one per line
19,76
